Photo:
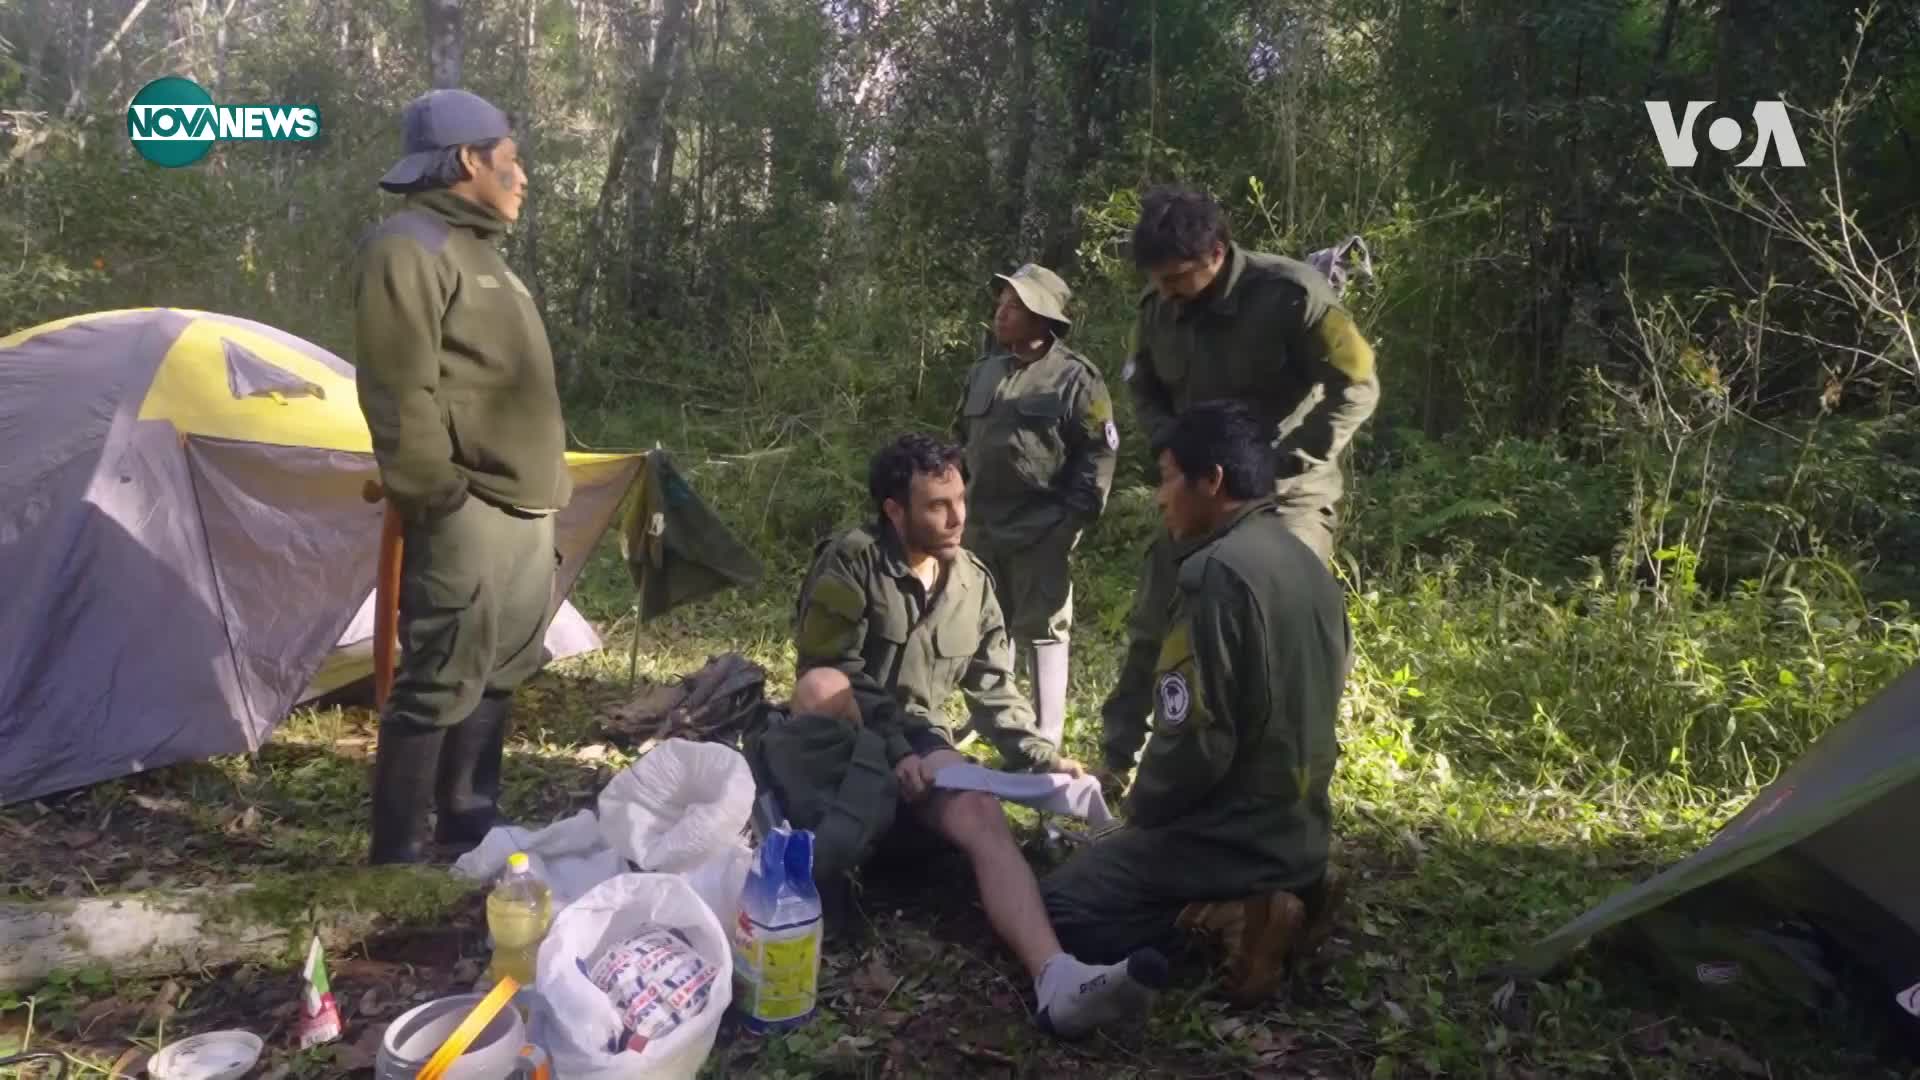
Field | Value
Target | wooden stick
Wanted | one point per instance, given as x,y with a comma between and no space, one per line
386,606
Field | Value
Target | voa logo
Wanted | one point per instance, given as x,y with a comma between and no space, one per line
173,122
1726,133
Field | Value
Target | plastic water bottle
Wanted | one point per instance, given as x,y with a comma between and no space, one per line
518,911
777,940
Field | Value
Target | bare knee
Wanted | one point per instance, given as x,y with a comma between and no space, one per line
974,819
825,692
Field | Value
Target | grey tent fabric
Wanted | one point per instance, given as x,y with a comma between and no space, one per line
57,411
278,645
130,616
1824,846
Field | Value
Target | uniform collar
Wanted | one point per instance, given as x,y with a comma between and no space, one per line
1225,298
459,212
1053,349
1232,522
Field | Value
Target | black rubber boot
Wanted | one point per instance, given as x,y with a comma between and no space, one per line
468,792
404,764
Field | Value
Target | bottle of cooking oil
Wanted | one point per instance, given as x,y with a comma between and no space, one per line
518,911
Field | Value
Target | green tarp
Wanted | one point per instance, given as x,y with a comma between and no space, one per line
678,550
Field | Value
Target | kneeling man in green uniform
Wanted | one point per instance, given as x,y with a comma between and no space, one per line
1228,815
895,616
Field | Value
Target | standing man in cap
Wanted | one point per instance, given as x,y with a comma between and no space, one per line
1221,323
1037,426
457,383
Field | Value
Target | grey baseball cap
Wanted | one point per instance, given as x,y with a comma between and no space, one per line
439,119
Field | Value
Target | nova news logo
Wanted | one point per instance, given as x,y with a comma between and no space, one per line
1726,134
173,122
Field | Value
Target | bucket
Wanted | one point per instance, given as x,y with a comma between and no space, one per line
495,1054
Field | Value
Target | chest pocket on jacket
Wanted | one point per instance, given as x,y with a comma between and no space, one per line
955,641
1034,438
889,625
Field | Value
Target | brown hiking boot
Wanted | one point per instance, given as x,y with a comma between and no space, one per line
1259,934
1320,927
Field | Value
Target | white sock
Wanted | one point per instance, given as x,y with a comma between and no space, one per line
1075,998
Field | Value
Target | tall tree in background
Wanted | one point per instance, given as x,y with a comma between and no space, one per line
446,41
645,125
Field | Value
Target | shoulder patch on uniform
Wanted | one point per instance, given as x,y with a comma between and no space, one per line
1113,436
1345,349
1175,697
487,281
835,594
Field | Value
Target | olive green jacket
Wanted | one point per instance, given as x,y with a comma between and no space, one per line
1269,332
453,367
1041,445
828,777
862,611
1247,692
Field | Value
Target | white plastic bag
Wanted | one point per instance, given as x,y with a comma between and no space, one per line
578,1021
681,805
569,855
718,881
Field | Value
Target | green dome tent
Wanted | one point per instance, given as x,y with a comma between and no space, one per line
1806,905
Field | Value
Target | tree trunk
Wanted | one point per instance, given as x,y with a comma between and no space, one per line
596,236
527,230
1025,116
446,42
1105,28
81,76
228,12
1663,49
644,128
153,934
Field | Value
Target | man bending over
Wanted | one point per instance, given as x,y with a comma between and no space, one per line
894,617
1228,816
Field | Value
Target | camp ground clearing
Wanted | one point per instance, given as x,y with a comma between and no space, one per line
1477,882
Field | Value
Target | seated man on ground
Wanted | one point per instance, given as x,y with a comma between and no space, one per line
896,616
1228,817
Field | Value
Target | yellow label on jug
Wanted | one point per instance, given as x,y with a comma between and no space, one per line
789,974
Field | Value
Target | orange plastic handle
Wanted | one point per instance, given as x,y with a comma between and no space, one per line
469,1029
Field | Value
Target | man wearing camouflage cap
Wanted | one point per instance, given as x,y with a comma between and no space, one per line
1037,425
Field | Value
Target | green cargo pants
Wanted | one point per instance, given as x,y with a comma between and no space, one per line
476,595
1125,890
1034,584
1124,714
